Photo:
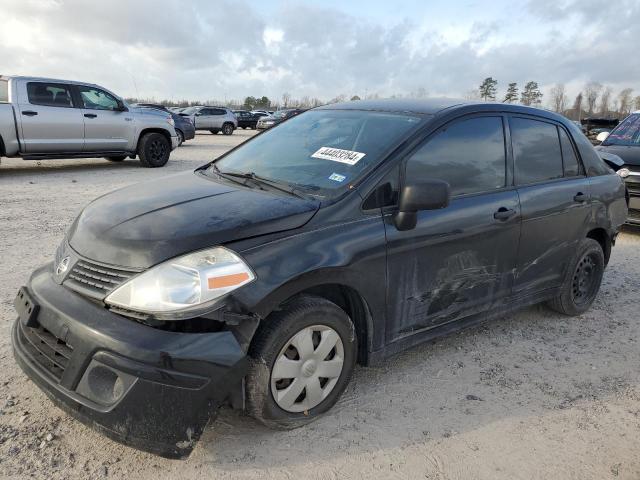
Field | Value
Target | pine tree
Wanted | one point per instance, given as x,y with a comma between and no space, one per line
531,95
512,93
488,89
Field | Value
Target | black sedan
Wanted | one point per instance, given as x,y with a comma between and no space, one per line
278,117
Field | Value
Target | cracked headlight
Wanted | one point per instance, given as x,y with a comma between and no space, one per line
183,286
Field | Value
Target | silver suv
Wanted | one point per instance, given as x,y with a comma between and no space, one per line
214,119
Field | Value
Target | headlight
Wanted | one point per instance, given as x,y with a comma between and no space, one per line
623,172
179,287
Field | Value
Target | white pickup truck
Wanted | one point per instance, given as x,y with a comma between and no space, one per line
42,118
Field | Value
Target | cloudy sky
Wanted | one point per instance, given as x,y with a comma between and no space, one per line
205,49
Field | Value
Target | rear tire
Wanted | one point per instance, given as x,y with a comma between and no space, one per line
154,150
118,158
227,129
313,343
583,280
214,131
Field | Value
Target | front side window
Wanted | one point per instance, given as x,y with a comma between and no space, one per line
536,149
96,99
48,94
627,133
322,152
4,90
468,154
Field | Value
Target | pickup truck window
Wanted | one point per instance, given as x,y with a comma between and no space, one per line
96,99
4,91
49,94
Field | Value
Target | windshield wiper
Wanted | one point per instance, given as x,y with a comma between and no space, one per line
282,186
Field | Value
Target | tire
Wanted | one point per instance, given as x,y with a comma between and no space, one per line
583,280
154,150
227,129
118,158
214,131
317,320
180,137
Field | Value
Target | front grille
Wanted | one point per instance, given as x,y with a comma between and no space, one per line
95,280
45,348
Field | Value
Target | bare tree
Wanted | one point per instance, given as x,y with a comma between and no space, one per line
577,106
286,99
605,101
591,92
558,98
625,99
473,94
636,103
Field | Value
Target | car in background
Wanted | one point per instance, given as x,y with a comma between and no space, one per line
214,119
624,141
263,113
247,119
278,117
184,128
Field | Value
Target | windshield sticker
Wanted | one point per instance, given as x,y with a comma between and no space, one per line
336,177
338,155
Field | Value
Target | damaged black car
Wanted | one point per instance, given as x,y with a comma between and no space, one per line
344,235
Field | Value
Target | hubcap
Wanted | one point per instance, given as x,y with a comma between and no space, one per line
307,368
584,280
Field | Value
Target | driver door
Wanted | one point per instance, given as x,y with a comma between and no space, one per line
106,128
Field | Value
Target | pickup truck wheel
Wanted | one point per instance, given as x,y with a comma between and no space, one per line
214,131
300,362
118,158
227,128
154,150
583,280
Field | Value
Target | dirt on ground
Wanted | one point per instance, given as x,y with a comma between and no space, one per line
532,395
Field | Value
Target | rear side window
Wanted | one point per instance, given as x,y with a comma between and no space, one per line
536,150
4,91
217,111
569,159
468,154
48,94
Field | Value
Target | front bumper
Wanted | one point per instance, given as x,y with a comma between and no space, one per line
175,142
151,389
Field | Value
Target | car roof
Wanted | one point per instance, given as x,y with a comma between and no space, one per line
424,106
45,79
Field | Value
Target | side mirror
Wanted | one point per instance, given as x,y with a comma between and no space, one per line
602,136
416,196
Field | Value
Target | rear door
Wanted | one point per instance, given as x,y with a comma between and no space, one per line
218,116
50,121
105,127
459,260
555,200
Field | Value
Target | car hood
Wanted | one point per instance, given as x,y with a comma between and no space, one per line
147,223
629,155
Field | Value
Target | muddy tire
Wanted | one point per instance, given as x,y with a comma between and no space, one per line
154,150
118,158
300,362
583,280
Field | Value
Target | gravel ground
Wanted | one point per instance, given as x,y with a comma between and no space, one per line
533,395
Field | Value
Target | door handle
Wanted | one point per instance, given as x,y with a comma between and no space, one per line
580,197
29,113
90,115
504,213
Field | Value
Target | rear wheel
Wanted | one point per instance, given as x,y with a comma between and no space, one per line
154,150
227,128
214,131
301,361
583,280
117,158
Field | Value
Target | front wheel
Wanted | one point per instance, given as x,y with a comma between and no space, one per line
301,361
154,150
582,284
227,129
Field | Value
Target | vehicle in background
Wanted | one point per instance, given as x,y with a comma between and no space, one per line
346,235
177,109
263,113
214,119
183,125
624,141
580,126
42,118
596,125
247,119
278,117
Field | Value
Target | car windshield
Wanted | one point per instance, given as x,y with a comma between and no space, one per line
321,152
627,133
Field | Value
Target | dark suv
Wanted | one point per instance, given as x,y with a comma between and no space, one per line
183,125
347,234
247,119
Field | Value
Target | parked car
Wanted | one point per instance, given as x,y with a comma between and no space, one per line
183,125
262,113
42,118
214,119
347,234
624,141
247,119
277,117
